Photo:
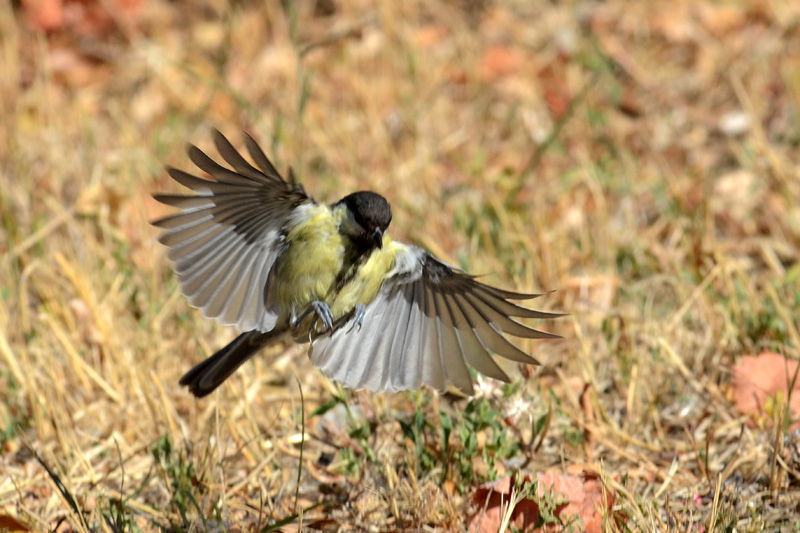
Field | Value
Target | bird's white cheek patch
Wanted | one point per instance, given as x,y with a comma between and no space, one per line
303,213
406,260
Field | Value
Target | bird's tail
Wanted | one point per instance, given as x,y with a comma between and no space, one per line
208,375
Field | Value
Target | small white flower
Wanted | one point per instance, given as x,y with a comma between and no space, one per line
519,407
485,388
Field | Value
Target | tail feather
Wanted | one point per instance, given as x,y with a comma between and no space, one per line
208,375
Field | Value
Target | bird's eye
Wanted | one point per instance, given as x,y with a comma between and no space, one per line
357,221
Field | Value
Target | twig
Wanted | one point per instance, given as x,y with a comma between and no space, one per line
302,444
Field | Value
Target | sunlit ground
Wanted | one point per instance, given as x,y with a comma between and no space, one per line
639,159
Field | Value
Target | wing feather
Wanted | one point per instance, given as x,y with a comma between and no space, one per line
198,272
263,162
185,202
470,343
492,337
239,163
188,239
220,214
210,284
509,295
502,320
501,304
452,355
175,222
429,359
203,186
234,283
406,369
221,174
226,237
377,366
428,325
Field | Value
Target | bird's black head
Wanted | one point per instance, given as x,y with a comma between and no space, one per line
371,213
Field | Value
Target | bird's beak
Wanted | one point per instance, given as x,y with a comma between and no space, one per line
378,238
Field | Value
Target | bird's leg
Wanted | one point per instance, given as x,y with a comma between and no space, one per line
323,312
360,311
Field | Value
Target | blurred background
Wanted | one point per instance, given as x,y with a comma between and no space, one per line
639,159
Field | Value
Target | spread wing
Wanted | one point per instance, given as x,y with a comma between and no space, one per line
227,236
427,326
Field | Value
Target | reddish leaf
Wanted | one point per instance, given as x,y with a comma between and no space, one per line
759,378
582,496
86,17
11,524
499,61
431,35
44,15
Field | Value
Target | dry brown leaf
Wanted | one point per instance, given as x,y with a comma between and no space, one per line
12,525
86,17
759,379
582,496
499,61
430,35
721,20
44,15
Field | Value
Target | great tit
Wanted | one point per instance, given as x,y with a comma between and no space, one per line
255,251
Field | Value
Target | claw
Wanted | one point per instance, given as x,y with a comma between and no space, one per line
323,312
361,310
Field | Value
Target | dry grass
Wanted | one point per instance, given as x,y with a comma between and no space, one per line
592,148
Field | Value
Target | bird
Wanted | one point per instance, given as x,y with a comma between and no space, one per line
254,250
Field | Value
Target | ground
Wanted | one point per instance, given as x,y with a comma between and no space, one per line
641,160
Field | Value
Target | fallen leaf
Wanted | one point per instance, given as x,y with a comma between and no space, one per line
86,17
759,379
557,102
44,15
721,20
580,496
430,35
498,61
11,524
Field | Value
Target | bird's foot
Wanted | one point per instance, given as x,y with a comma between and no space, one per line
361,310
323,312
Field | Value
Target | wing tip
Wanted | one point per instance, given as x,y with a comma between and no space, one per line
533,361
548,315
538,334
222,143
173,172
197,156
247,136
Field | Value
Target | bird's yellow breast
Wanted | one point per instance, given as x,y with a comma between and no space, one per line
314,255
321,264
364,286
